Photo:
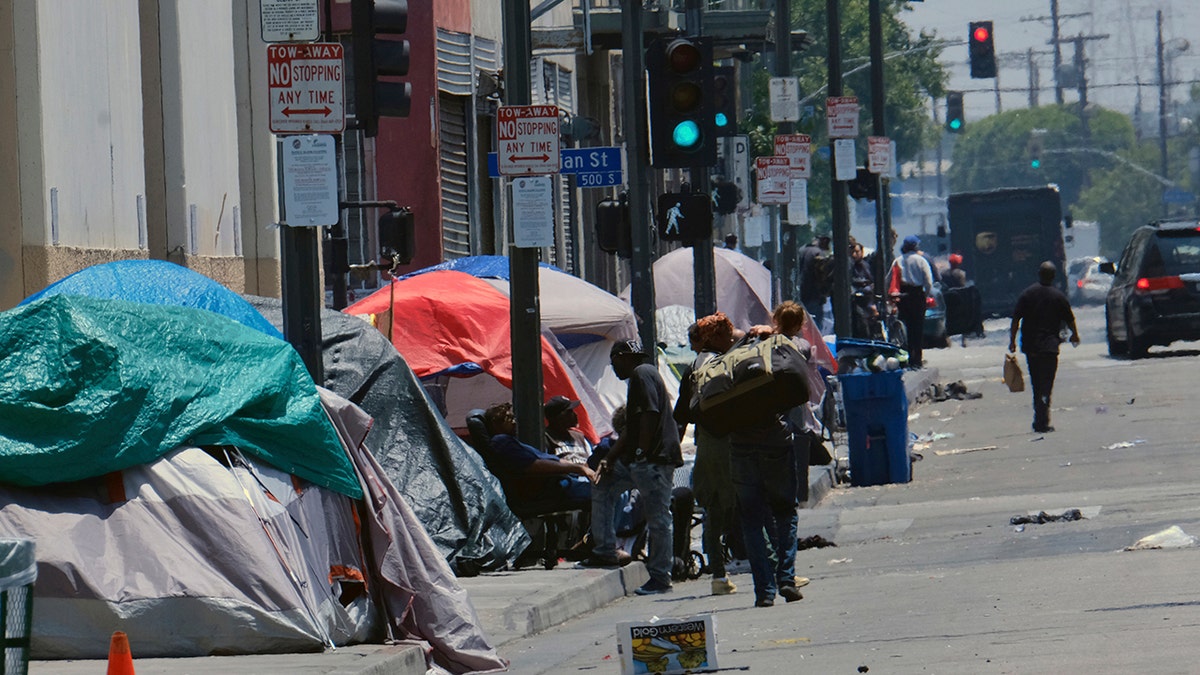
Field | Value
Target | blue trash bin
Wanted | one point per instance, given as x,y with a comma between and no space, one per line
877,427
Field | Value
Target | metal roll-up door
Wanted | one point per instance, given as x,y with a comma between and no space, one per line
452,146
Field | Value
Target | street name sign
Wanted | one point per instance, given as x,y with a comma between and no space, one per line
304,82
592,167
289,20
841,116
774,176
798,149
528,140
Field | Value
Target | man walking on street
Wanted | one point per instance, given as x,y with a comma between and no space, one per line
1040,314
645,456
916,284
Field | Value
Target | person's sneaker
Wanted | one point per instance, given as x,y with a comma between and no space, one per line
593,561
765,602
1043,430
790,593
723,586
653,587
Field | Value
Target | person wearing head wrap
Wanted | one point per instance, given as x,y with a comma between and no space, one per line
955,276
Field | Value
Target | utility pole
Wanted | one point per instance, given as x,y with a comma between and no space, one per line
838,192
788,274
1080,65
1054,18
704,275
524,313
1058,90
1162,103
634,109
1033,80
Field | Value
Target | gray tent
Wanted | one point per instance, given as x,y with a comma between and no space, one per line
459,502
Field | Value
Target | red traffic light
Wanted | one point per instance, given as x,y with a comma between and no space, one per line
981,34
683,56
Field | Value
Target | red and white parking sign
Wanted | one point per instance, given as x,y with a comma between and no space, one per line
774,176
841,116
305,85
528,136
798,149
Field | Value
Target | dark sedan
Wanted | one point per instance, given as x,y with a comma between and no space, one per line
1155,294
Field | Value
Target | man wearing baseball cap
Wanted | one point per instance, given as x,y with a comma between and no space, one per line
644,457
562,436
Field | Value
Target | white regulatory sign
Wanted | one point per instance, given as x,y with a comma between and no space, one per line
304,82
289,20
774,176
533,212
785,99
310,180
841,116
528,137
879,154
798,149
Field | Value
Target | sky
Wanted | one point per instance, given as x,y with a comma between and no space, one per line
1115,64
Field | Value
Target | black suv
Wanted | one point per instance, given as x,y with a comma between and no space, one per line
1155,295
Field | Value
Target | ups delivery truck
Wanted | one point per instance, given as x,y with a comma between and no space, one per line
1003,236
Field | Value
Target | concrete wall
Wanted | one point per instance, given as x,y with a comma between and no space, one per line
133,128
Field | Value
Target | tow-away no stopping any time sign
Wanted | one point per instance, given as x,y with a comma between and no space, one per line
305,85
528,136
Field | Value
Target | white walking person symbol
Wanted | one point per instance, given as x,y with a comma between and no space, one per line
674,216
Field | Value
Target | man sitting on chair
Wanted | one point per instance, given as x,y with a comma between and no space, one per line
529,475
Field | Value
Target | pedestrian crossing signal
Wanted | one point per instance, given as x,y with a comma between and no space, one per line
684,216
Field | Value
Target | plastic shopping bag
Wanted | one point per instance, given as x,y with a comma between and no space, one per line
1012,373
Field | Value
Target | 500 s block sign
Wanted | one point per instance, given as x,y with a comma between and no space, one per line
305,83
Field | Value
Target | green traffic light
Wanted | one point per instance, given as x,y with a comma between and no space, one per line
721,119
956,124
686,134
1035,163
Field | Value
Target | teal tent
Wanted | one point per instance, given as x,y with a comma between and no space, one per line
96,385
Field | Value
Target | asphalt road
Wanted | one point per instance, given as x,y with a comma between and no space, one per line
931,576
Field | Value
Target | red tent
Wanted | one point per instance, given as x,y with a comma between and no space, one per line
452,323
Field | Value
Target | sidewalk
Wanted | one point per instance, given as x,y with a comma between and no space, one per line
511,605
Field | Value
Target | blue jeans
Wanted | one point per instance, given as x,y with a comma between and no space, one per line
653,482
765,481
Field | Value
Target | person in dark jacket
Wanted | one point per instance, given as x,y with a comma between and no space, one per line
1040,314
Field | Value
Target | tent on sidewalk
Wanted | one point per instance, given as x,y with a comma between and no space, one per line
459,502
453,330
186,482
584,318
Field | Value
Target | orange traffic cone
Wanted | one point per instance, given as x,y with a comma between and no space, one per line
120,660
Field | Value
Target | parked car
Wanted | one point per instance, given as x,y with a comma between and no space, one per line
1155,293
1085,282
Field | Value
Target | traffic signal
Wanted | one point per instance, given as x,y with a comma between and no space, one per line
376,58
724,93
725,197
1034,151
863,186
613,231
982,50
684,216
954,111
397,236
682,118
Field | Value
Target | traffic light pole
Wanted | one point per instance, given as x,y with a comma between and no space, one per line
703,269
524,313
841,210
789,249
883,210
634,109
